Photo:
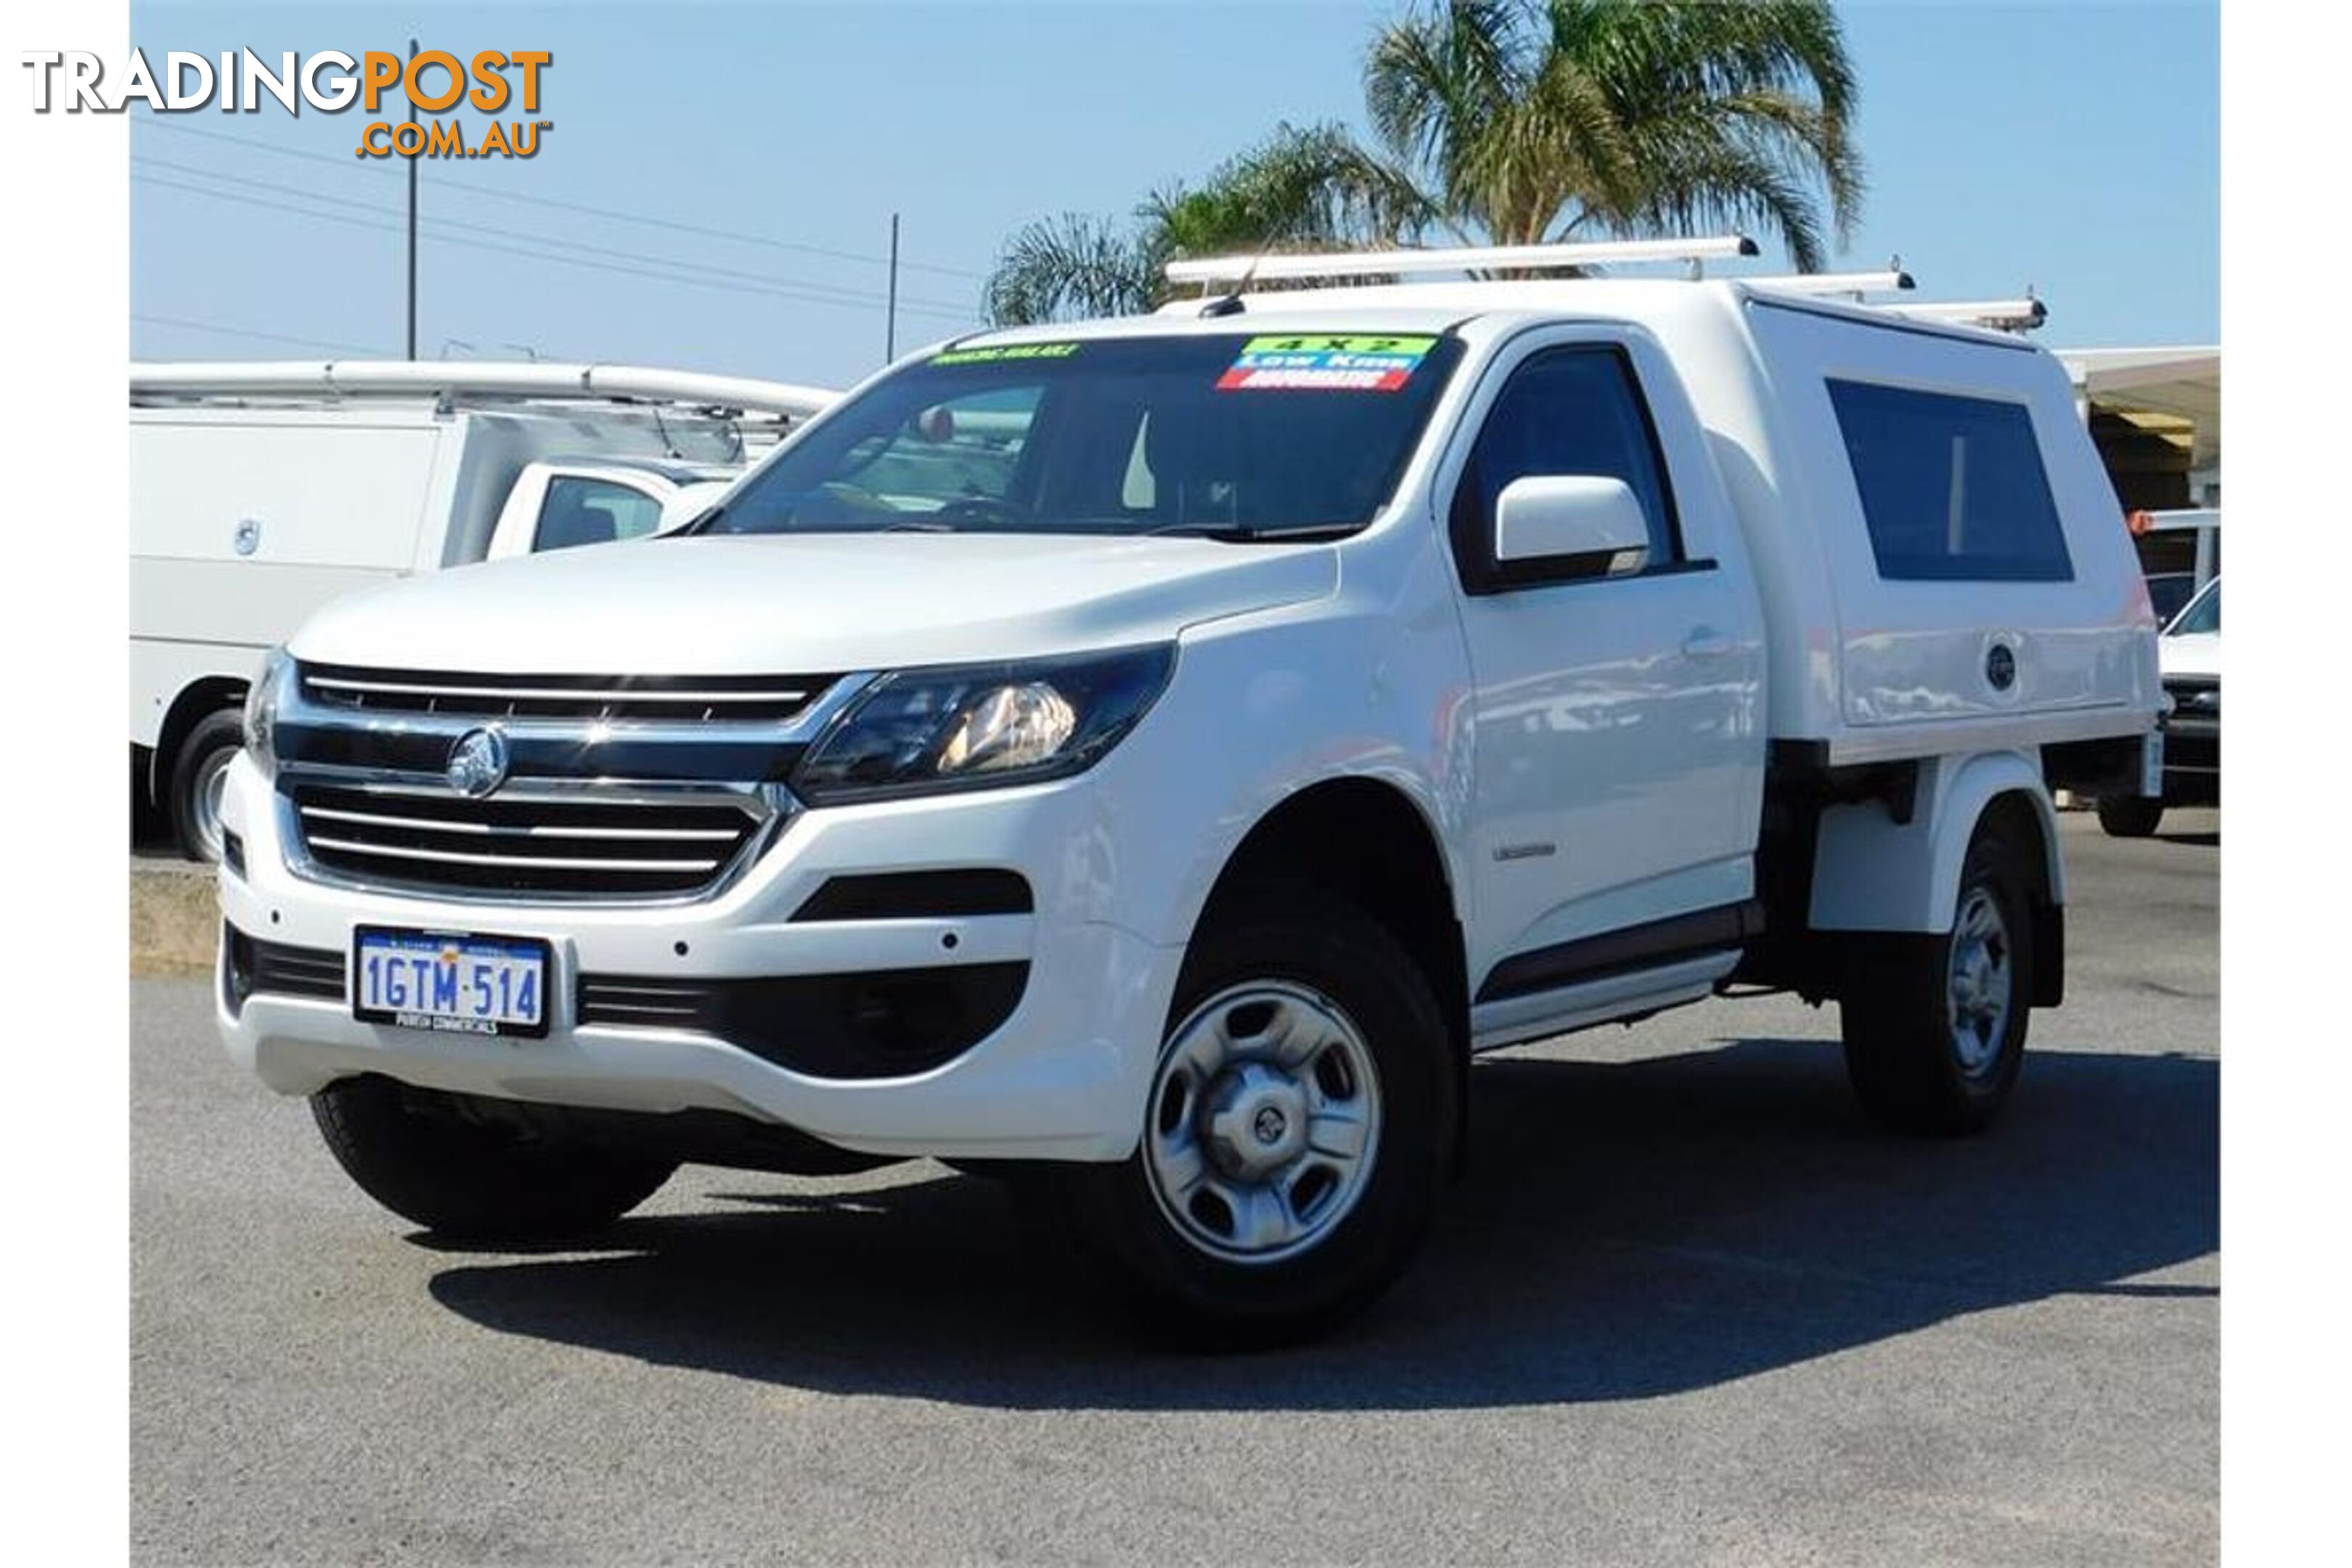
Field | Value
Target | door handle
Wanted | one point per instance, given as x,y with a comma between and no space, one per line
1706,642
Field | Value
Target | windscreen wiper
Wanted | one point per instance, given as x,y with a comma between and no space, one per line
1241,533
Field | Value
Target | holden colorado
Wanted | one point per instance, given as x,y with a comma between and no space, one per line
1150,759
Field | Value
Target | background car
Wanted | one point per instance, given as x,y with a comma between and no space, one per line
2170,591
2190,654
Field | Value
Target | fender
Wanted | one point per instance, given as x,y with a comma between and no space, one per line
1268,705
1872,873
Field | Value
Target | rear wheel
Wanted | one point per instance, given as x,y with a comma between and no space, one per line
199,779
1935,1025
2130,815
1297,1136
421,1155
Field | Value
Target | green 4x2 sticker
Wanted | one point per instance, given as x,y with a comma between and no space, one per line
1359,363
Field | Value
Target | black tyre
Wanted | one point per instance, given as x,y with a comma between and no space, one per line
1300,1127
420,1155
2130,815
192,797
1935,1025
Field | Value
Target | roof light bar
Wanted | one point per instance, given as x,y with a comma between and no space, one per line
1460,258
1835,282
2002,315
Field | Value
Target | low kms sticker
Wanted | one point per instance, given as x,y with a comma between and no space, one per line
1361,364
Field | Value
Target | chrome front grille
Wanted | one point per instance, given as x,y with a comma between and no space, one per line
582,698
610,789
594,842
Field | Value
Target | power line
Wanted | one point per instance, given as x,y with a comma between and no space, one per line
945,307
840,300
474,189
253,333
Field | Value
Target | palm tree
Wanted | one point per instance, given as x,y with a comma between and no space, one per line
1298,189
1073,265
1514,121
1528,120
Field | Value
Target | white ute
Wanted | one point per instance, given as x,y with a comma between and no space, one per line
1149,758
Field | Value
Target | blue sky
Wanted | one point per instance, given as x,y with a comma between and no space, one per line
2071,146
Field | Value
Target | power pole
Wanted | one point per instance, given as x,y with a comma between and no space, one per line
411,236
890,321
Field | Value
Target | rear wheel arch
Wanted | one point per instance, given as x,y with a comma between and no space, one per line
1878,866
2003,787
1881,870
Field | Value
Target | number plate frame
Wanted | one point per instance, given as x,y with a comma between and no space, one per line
435,1023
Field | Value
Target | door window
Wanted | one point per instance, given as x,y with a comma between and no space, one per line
580,511
1566,412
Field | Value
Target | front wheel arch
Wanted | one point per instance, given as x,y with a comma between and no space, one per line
1367,844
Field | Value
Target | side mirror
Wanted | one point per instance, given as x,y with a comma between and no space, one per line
1581,524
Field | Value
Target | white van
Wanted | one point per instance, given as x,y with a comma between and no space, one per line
261,491
1271,703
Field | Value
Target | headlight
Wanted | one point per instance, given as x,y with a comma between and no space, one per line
261,710
921,731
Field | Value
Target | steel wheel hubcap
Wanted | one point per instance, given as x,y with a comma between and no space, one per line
1266,1117
1983,980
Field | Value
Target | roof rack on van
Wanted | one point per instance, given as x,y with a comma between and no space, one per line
1696,252
475,378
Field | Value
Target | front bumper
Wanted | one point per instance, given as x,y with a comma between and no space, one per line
1064,1076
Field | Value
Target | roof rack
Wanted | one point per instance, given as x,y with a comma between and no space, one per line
1855,283
2001,315
1239,272
1245,269
478,378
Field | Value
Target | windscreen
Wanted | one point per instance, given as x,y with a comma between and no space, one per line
1241,437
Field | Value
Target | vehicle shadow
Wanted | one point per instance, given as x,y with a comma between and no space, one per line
1626,1230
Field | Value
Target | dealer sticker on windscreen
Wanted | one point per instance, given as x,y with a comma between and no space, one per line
452,984
1311,362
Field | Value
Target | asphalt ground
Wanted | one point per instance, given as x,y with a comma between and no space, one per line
1686,1307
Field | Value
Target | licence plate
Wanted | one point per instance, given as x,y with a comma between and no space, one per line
466,985
2151,765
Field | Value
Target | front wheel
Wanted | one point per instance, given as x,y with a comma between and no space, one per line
1298,1130
1935,1025
421,1155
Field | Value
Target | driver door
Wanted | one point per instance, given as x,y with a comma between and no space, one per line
1618,730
